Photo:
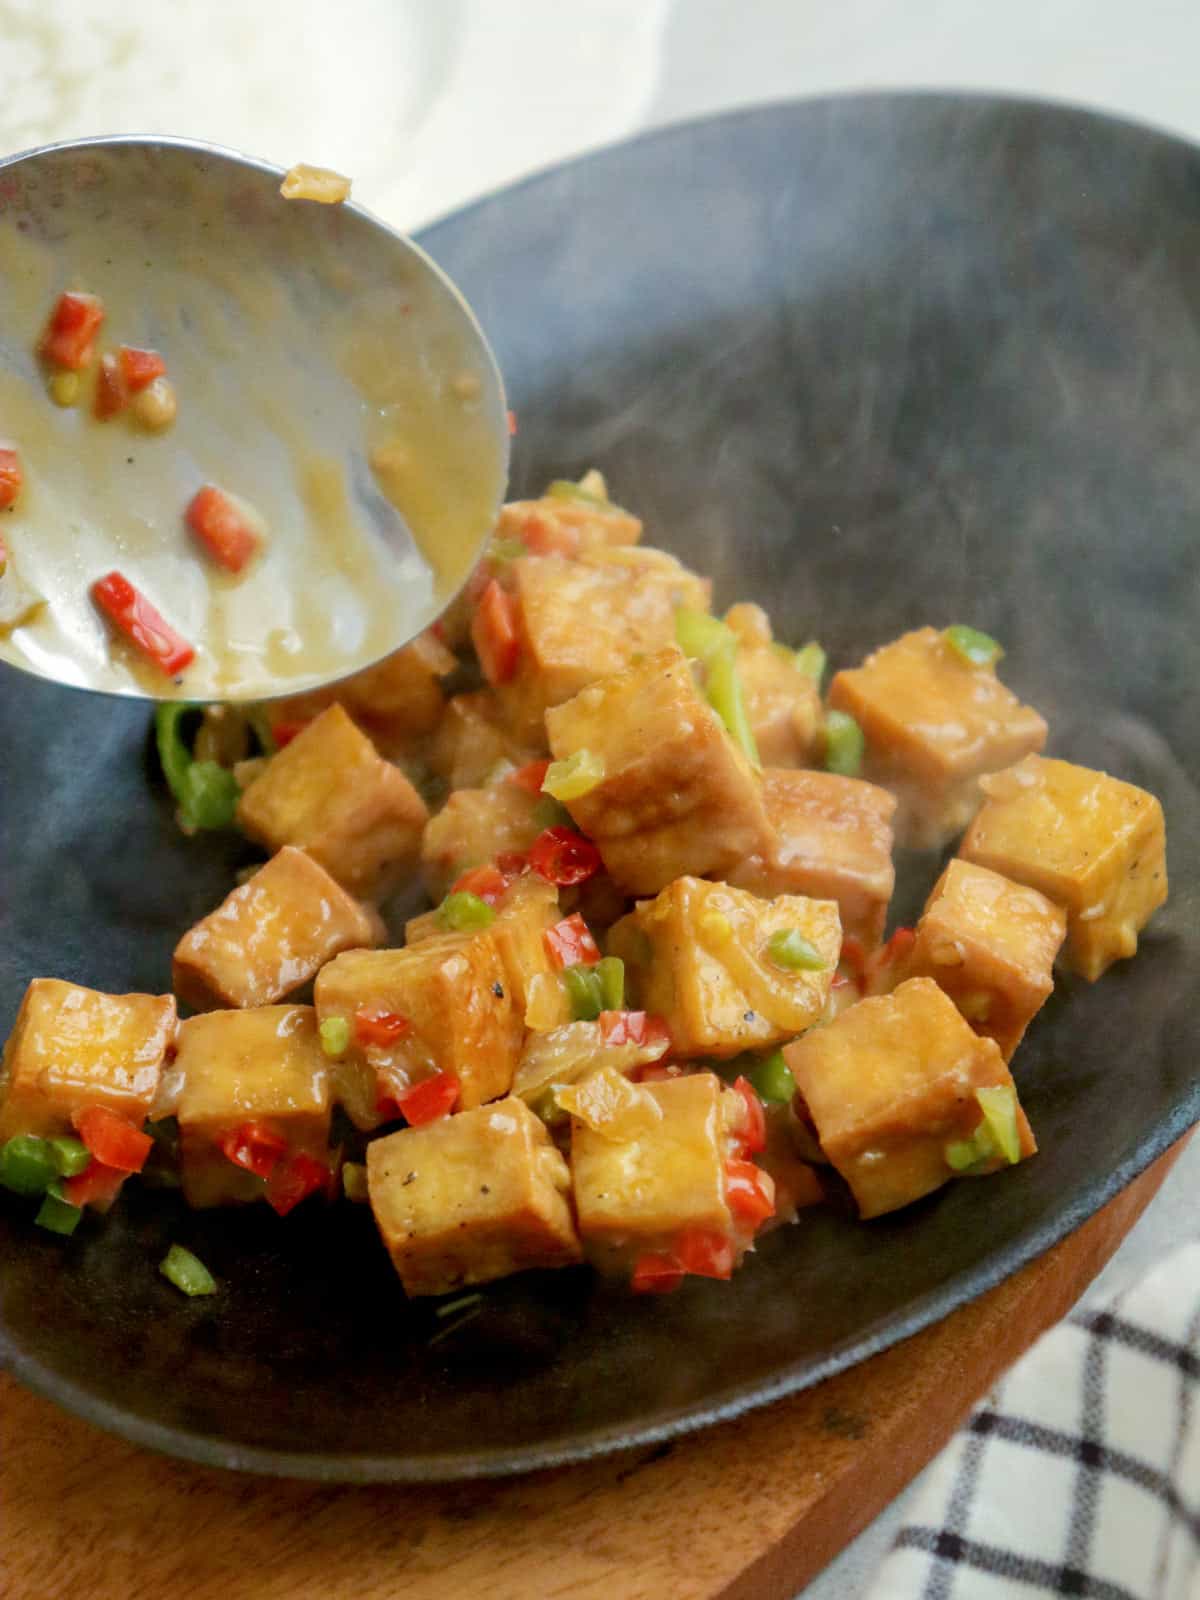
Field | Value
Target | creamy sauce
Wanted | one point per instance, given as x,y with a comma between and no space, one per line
300,350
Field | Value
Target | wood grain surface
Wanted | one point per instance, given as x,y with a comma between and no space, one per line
753,1508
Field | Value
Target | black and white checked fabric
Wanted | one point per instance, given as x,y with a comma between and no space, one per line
1080,1474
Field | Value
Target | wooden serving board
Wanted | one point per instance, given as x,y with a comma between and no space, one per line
750,1510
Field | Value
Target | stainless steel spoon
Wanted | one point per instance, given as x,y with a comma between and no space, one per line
326,372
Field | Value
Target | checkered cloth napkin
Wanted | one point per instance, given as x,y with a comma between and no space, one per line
1080,1474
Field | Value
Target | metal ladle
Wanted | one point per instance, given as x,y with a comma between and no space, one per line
326,371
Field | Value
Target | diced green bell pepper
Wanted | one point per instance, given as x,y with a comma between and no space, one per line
187,1272
789,949
27,1164
844,744
464,912
980,649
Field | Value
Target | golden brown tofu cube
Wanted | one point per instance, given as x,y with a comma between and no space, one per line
474,827
710,973
330,792
471,1198
72,1048
783,704
1094,845
891,1084
832,841
566,524
271,936
264,1066
453,992
677,795
934,723
637,1194
582,620
472,741
990,945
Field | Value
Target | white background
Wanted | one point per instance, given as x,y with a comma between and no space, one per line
428,103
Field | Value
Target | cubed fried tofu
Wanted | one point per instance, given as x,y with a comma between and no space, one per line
990,945
637,1194
271,936
262,1066
330,792
475,826
934,723
472,741
1093,844
452,991
891,1085
471,1198
72,1048
708,971
565,524
783,704
581,620
832,841
527,908
677,795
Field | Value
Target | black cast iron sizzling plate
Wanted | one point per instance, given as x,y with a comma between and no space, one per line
872,362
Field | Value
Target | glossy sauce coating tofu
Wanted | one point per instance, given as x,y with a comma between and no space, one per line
470,1198
471,741
475,826
454,993
934,724
637,1194
706,969
567,525
582,620
889,1084
330,792
271,936
677,795
73,1047
265,1066
832,841
783,704
990,944
1093,844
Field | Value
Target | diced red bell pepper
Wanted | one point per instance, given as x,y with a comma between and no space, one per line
133,614
12,480
562,856
294,1180
855,957
748,1193
111,393
487,883
375,1026
704,1252
113,1139
139,368
656,1273
430,1099
531,776
227,531
494,634
284,732
633,1027
569,943
71,331
897,946
255,1147
753,1136
97,1185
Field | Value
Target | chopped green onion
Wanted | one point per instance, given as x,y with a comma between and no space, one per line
71,1156
27,1164
611,972
844,744
354,1181
772,1079
564,489
789,949
999,1107
811,662
464,912
502,551
207,793
700,636
56,1214
980,649
459,1303
584,991
335,1036
724,689
187,1272
549,813
574,777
